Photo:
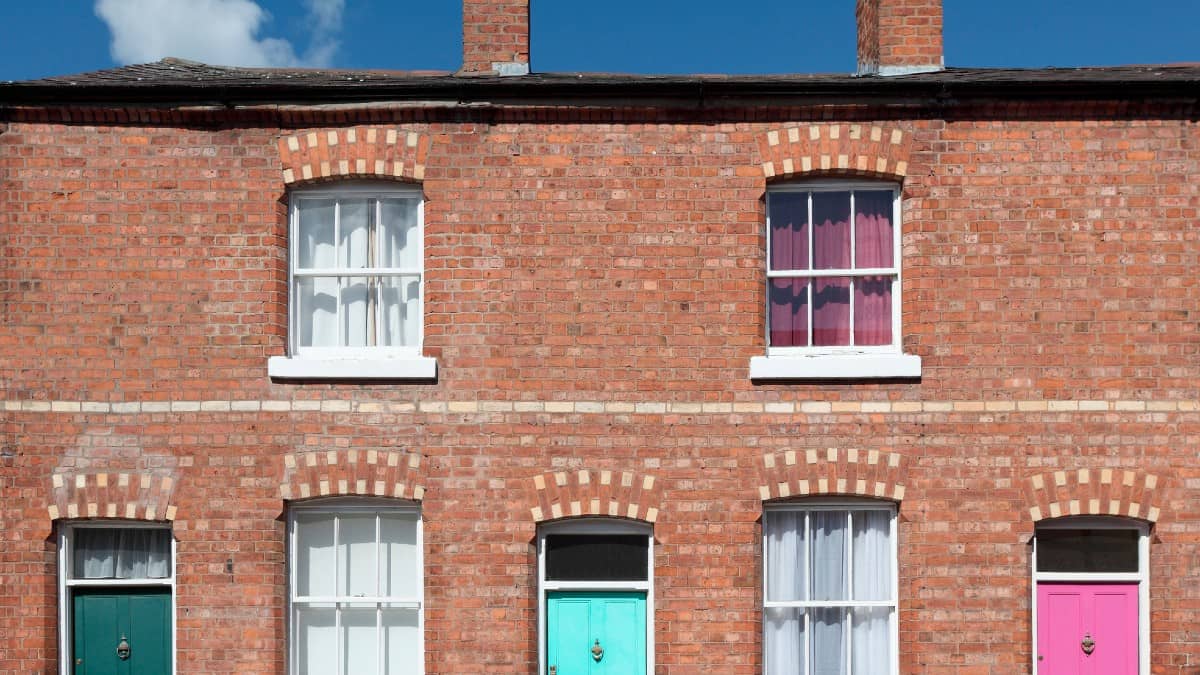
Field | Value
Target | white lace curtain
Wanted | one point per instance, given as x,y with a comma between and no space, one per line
347,311
828,576
122,553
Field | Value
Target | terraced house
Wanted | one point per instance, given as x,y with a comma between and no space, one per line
501,371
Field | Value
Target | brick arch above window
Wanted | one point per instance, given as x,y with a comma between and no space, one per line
1104,491
592,492
371,473
832,471
804,150
129,495
353,152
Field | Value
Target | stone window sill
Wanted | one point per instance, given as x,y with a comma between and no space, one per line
401,368
835,367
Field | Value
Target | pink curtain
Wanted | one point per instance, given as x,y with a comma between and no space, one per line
789,313
830,297
788,317
873,233
831,250
789,231
873,237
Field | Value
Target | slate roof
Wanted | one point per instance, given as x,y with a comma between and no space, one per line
174,80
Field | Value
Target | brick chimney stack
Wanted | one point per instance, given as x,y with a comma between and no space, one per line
898,37
495,37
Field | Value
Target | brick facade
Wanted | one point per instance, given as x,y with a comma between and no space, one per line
594,292
594,295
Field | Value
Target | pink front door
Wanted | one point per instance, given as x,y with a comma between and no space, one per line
1070,616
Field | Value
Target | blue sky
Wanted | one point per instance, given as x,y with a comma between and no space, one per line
46,37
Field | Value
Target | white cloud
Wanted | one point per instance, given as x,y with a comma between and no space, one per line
222,32
326,18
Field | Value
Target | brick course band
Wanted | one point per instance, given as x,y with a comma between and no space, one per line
842,149
127,495
610,407
590,492
354,152
373,473
1103,491
832,471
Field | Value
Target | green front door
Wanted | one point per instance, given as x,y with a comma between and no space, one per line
596,633
108,619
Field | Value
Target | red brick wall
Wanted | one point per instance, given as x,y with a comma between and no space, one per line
899,34
494,31
594,295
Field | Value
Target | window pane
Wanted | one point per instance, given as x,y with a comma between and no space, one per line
357,324
873,311
314,246
1087,550
872,640
783,641
314,556
398,534
400,302
831,312
399,246
596,557
785,542
401,641
789,313
122,553
317,635
789,230
828,645
827,539
872,555
873,228
357,571
353,249
143,554
831,230
317,312
360,641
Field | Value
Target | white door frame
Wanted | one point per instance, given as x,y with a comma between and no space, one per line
597,526
1141,577
66,585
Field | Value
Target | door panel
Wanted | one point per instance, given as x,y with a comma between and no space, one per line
150,634
1069,613
1115,630
97,632
102,617
575,621
1060,623
622,634
569,627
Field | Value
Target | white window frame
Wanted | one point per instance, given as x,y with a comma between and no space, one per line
595,526
67,584
1141,577
837,361
375,362
849,505
343,506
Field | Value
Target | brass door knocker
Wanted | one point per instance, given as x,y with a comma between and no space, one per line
1088,644
123,649
597,650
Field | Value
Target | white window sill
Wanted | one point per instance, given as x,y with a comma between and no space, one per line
835,367
399,368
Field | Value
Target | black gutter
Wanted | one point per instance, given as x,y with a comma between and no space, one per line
937,89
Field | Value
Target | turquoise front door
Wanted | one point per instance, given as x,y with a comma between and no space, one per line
122,632
596,633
